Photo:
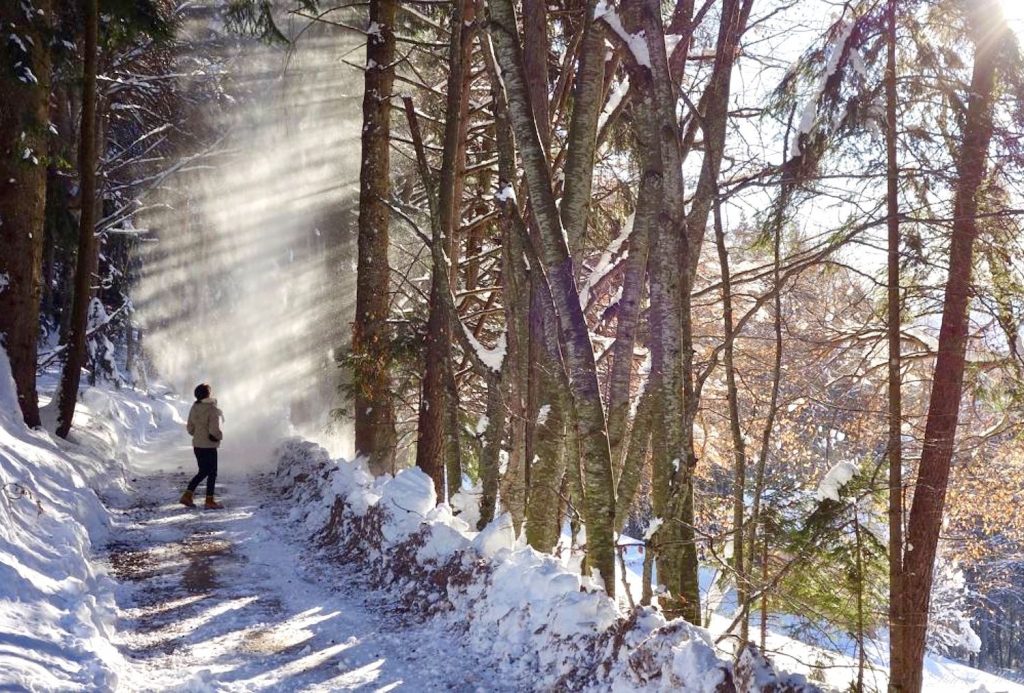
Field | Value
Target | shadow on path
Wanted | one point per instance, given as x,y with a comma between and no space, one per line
226,600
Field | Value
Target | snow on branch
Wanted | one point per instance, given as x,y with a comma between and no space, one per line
837,477
491,358
637,43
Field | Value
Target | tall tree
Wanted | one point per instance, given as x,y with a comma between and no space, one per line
988,33
438,435
895,448
371,333
25,67
676,246
738,445
85,264
553,252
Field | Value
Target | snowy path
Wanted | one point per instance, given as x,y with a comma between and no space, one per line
230,601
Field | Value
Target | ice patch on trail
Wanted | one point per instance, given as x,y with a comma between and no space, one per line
545,626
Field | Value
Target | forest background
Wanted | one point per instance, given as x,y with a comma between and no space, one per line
741,279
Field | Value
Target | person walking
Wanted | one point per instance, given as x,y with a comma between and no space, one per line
204,427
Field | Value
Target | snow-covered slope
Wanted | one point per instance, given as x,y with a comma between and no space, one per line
532,613
539,621
832,664
57,609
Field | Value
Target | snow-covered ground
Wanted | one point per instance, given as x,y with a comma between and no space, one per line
836,666
115,586
231,601
57,607
106,583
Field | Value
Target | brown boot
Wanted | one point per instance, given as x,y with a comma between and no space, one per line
211,504
186,500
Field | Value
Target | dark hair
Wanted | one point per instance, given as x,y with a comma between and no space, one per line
202,391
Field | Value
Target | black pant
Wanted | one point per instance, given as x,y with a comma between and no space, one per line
207,459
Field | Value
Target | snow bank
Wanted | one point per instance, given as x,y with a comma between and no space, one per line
57,608
541,624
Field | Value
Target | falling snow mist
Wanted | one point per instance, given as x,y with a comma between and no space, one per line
251,283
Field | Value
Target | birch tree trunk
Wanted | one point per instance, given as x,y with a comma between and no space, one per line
989,34
371,333
24,120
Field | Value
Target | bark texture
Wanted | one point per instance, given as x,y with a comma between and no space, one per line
633,283
599,505
438,428
588,97
988,32
895,451
738,447
371,334
671,453
72,373
24,119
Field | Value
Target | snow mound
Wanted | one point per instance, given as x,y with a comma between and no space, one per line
540,624
57,608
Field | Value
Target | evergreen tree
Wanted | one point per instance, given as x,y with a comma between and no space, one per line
25,72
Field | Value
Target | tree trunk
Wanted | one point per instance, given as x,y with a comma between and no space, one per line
438,426
588,97
644,218
24,120
988,32
738,448
599,507
371,334
536,47
543,460
670,458
489,457
439,369
636,455
433,414
895,448
516,283
547,468
86,230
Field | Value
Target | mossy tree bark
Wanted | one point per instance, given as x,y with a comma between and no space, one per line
599,506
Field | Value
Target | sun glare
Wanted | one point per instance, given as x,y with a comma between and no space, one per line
1014,10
